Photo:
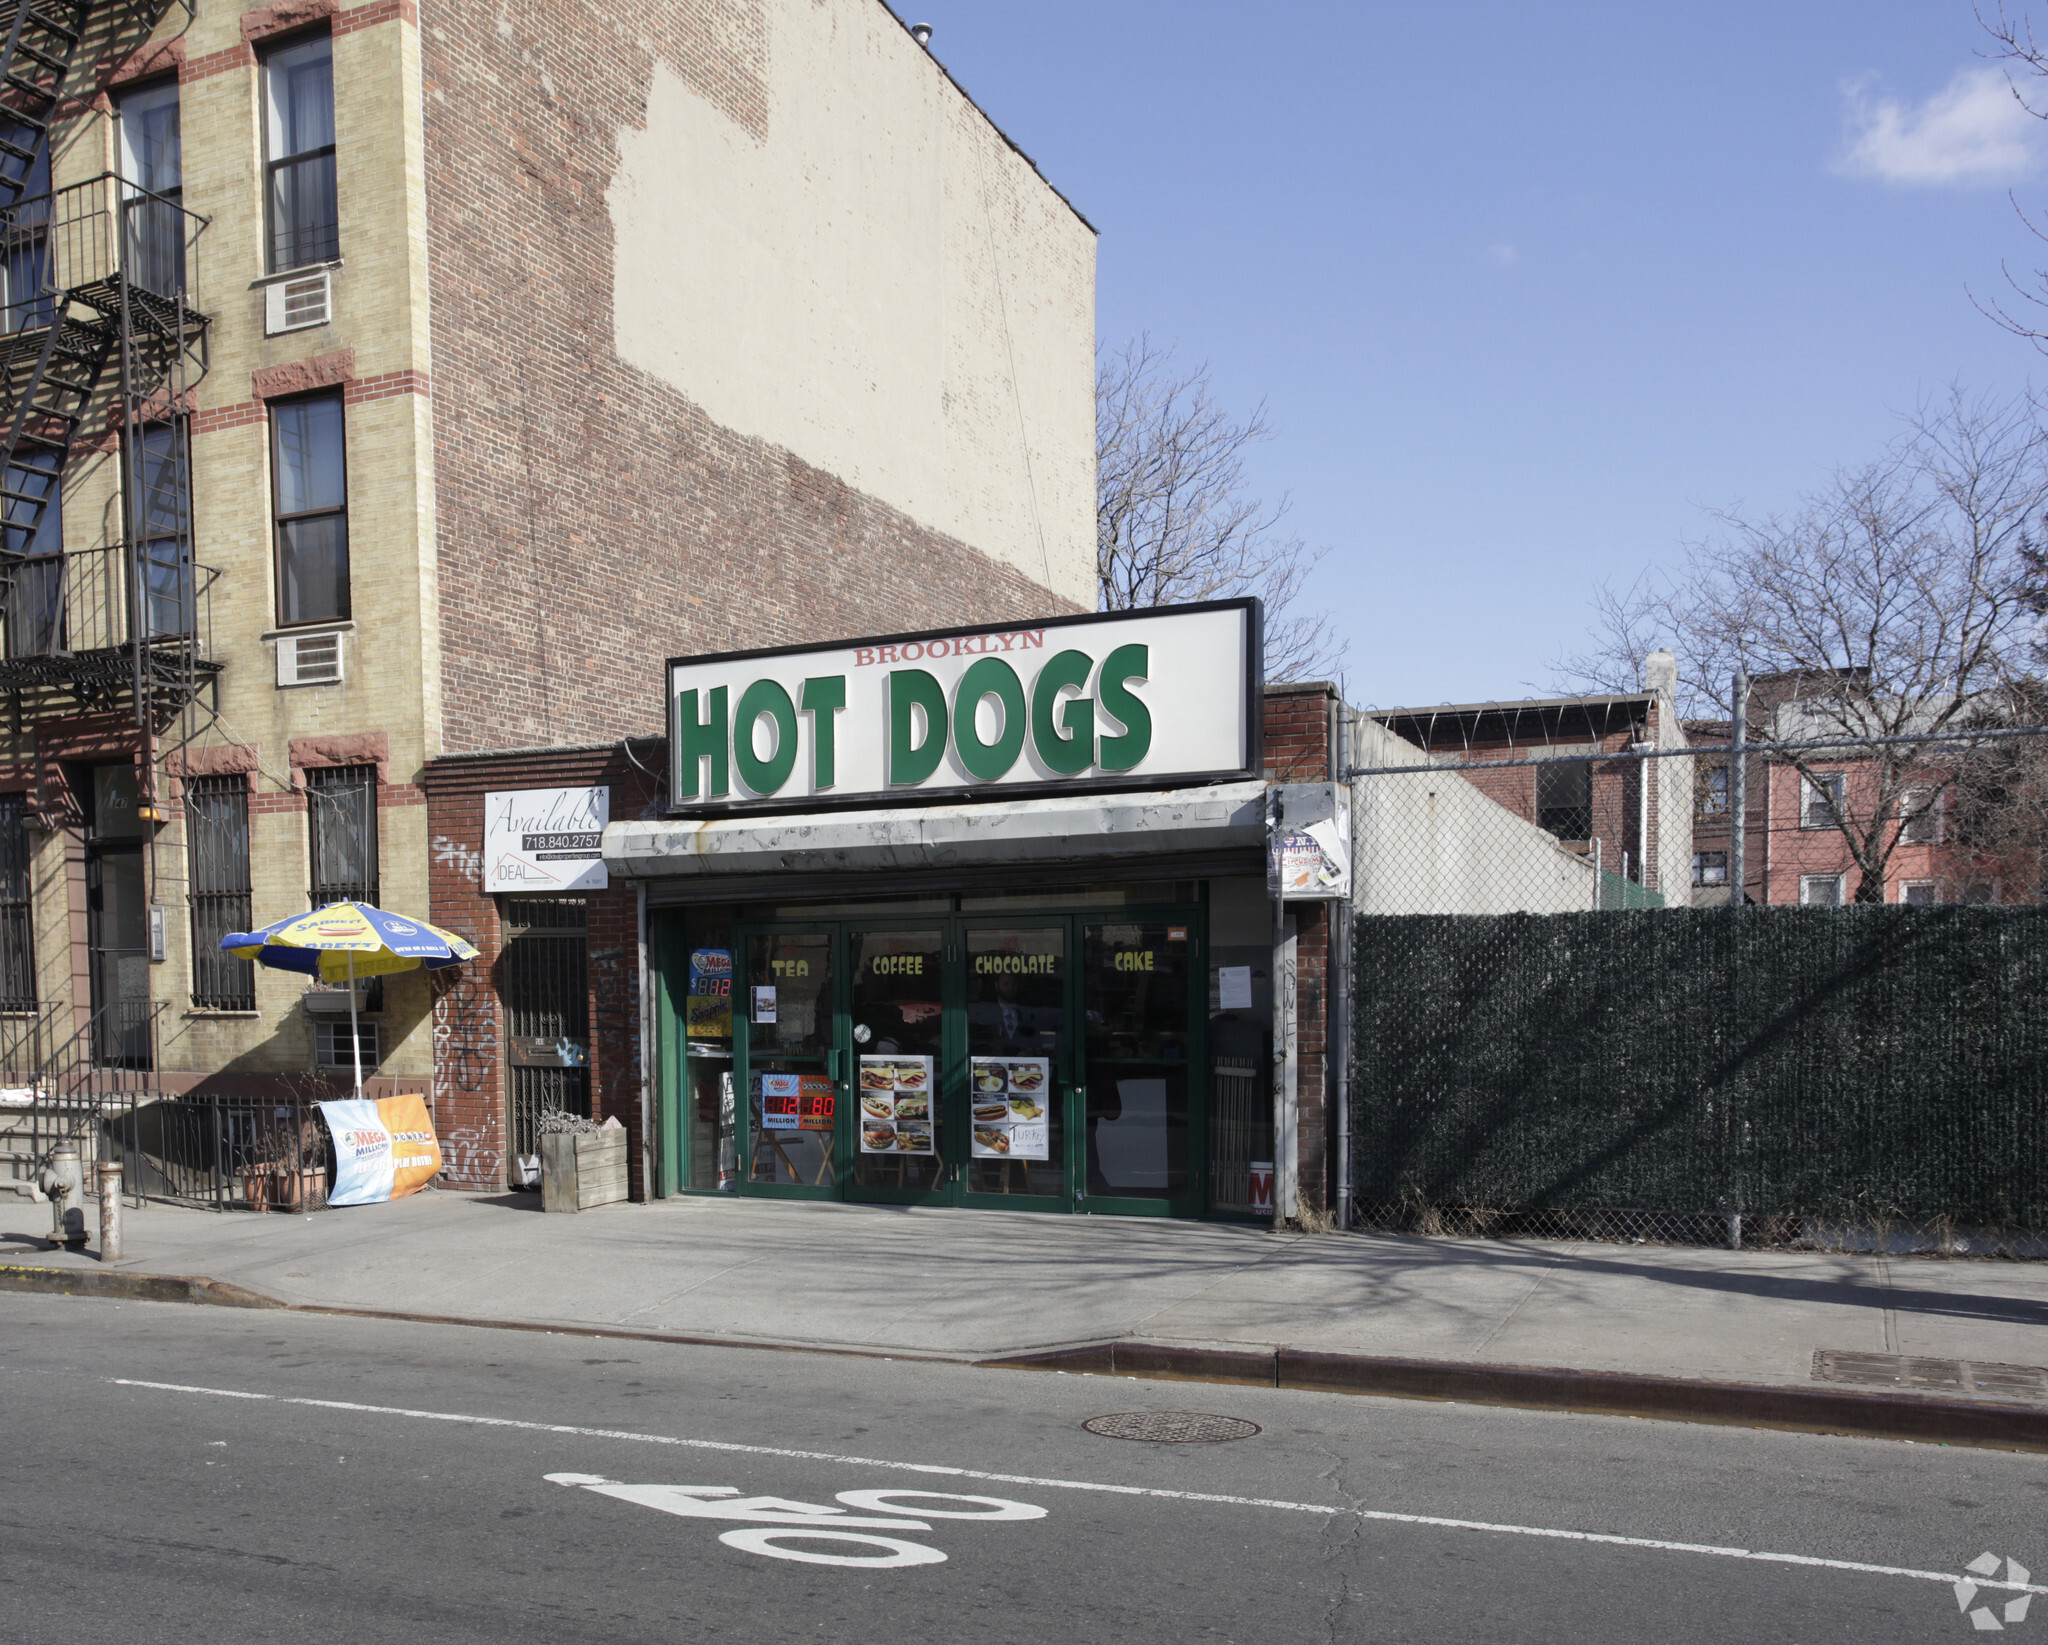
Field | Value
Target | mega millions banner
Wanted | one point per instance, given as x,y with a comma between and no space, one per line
1114,700
383,1149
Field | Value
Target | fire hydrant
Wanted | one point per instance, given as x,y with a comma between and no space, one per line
63,1183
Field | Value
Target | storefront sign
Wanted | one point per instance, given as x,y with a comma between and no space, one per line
710,994
1119,700
540,840
896,1105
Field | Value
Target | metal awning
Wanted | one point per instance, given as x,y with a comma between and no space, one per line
1077,829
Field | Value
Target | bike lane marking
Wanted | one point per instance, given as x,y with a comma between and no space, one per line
1327,1510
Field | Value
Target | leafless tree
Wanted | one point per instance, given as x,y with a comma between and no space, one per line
1894,603
1174,518
2026,59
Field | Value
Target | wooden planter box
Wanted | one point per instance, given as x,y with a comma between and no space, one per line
581,1169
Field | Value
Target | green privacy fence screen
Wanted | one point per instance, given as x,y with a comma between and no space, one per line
1817,1062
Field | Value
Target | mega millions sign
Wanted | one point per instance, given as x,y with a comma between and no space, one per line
1126,699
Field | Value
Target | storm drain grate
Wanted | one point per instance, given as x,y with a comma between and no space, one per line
1171,1427
1936,1376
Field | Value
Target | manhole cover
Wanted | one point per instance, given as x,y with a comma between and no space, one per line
1171,1427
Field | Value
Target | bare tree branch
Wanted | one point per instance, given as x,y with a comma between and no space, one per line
1899,601
1174,522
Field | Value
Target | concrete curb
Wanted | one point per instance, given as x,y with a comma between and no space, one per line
1541,1388
112,1283
1523,1387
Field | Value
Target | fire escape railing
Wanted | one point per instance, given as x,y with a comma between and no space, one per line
101,337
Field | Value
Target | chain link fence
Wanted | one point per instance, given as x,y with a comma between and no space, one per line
1563,1029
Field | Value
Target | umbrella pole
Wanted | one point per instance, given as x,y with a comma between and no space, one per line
355,1037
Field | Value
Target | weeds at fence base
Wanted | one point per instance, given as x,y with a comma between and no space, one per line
1767,1231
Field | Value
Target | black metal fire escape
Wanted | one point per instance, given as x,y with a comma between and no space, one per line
101,345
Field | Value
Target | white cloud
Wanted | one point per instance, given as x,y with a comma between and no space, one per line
1971,131
1503,256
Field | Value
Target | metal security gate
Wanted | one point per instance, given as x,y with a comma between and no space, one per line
544,985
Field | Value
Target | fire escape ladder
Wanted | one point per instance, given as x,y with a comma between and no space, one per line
42,42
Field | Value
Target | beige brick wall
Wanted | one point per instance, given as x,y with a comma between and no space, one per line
392,655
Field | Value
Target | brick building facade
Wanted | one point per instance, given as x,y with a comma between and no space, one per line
457,422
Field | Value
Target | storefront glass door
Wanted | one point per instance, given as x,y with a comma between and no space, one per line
791,1067
1047,1062
1018,1072
903,1143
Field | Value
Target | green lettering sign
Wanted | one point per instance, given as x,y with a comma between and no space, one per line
1124,664
765,697
913,688
1075,750
824,697
991,677
695,740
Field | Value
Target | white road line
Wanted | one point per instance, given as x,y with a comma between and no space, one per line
1328,1510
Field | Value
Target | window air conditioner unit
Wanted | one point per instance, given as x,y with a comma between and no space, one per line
298,303
309,659
332,999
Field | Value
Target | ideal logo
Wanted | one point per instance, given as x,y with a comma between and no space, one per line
1982,1617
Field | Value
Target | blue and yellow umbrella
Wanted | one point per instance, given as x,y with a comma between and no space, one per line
347,940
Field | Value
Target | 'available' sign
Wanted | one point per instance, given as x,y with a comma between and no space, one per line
1124,699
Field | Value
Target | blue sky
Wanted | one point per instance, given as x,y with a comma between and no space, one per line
1528,289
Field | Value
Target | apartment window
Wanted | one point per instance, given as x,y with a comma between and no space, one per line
1710,868
1920,817
17,944
164,510
1821,890
1918,894
1820,799
1980,891
35,529
217,840
1564,798
26,298
305,224
311,491
341,811
331,1047
152,206
1710,793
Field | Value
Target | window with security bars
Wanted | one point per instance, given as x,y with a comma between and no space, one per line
17,946
217,840
341,814
331,1048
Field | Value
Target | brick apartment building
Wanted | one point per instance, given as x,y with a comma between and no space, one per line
1570,776
397,379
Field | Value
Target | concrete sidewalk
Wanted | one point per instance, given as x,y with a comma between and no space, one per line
978,1284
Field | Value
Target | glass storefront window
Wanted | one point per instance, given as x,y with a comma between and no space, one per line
789,1026
897,1010
1135,1000
709,1103
1016,1056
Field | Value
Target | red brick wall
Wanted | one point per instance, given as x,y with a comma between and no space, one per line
469,1047
1298,749
592,521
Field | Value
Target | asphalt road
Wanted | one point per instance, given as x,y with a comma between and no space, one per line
176,1473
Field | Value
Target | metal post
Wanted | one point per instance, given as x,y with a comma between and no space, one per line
1275,889
355,1037
110,1210
1738,792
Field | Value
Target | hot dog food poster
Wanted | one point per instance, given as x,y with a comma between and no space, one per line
1010,1098
896,1105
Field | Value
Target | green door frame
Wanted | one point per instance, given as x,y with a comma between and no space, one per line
669,951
